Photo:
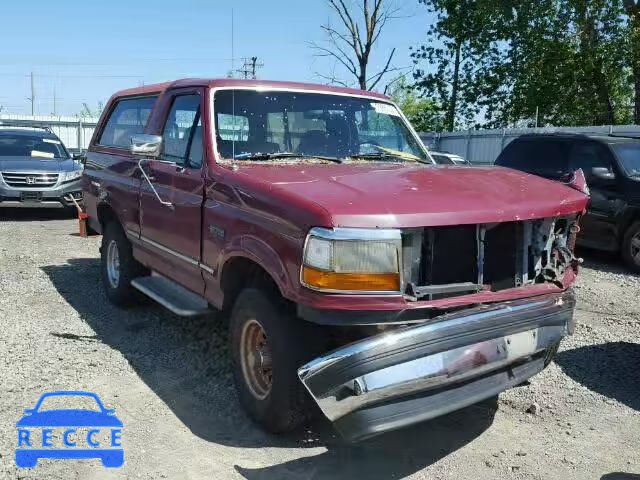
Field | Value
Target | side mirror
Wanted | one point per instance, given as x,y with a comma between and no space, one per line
146,145
603,173
80,157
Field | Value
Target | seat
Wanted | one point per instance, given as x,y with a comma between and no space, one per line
313,142
339,140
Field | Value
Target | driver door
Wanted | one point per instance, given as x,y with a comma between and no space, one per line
598,226
172,233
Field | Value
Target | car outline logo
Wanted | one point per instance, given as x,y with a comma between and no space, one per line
110,457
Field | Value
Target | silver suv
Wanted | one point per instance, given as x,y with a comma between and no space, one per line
36,170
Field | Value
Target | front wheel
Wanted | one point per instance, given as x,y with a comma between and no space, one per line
268,344
118,266
631,247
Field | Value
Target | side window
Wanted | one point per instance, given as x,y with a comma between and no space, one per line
182,133
128,117
546,157
587,155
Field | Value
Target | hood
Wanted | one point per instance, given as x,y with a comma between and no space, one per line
375,195
31,164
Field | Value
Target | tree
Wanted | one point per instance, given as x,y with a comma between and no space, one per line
458,45
502,63
352,43
424,113
632,9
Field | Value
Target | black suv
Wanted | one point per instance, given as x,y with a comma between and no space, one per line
611,165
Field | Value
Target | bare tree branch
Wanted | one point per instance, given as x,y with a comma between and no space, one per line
353,41
333,80
387,68
340,57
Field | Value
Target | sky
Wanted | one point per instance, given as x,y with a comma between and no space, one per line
86,50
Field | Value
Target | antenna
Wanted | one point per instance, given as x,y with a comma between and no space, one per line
233,97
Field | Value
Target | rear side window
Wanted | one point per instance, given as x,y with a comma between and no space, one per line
546,157
128,117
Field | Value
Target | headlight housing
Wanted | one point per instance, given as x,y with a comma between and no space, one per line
352,260
69,176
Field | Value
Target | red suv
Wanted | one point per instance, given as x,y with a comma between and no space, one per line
356,273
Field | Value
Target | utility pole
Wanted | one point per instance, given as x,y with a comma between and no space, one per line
32,98
54,102
250,67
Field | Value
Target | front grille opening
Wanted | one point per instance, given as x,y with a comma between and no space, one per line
451,255
442,262
503,256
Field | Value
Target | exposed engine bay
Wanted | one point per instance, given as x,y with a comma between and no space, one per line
441,262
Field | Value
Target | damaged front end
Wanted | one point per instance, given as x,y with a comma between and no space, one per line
418,372
494,304
443,262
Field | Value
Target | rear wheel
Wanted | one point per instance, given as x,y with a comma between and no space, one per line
268,344
118,266
631,247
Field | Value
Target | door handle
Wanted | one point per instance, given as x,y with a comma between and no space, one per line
153,188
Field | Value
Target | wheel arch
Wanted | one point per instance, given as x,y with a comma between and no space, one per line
105,214
244,271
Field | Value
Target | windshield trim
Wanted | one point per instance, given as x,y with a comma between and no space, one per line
212,113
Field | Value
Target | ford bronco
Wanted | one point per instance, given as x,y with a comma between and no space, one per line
355,272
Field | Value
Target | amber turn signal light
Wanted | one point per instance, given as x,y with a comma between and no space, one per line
351,282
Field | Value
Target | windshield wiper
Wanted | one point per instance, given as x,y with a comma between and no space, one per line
383,155
272,156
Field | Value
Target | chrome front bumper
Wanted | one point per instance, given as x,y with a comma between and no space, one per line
420,372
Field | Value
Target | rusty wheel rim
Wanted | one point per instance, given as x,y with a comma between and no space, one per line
255,357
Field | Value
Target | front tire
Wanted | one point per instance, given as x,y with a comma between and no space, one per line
268,344
631,247
118,267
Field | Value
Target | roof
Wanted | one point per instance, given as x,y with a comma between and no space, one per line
26,131
615,138
238,83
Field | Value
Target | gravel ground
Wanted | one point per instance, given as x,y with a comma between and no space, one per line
170,384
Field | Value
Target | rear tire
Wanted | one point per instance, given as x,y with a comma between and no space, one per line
631,247
266,375
118,267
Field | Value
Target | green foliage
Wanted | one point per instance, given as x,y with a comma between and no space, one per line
424,113
495,63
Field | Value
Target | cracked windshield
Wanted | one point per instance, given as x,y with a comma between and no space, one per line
254,125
